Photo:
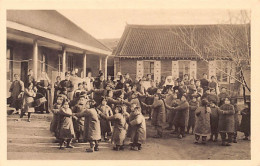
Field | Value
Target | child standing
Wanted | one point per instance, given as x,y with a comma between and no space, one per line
29,95
56,119
202,125
119,132
92,131
245,121
78,123
214,121
66,130
138,129
226,123
158,116
104,124
181,116
193,105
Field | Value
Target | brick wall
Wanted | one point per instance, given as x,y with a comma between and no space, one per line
166,68
128,66
202,67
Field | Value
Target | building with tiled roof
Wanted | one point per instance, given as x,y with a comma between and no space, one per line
160,50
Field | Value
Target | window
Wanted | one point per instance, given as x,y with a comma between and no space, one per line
43,63
70,63
222,75
9,64
60,63
149,68
184,68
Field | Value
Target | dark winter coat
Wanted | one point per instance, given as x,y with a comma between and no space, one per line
55,120
226,118
158,114
138,129
171,112
120,127
245,122
202,125
66,129
214,119
79,122
182,114
92,130
193,105
16,88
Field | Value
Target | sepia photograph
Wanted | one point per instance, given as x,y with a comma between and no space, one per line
128,84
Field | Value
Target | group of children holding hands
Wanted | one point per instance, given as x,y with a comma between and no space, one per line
85,120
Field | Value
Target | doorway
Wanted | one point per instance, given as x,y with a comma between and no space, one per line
24,70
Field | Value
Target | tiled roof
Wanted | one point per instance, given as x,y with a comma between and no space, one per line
161,41
55,23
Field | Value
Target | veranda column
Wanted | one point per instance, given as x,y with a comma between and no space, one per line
100,63
64,61
84,65
35,58
106,67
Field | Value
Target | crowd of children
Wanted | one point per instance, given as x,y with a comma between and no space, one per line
101,108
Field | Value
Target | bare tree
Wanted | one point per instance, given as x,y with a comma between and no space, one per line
229,40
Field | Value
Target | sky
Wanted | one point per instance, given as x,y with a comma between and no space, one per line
110,23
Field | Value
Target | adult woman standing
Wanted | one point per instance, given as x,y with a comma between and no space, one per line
17,90
44,88
57,89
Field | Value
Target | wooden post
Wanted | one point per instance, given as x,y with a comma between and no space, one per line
100,63
106,67
64,61
35,58
84,65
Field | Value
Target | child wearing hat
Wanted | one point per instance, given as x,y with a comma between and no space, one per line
138,129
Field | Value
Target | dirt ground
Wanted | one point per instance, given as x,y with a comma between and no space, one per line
33,141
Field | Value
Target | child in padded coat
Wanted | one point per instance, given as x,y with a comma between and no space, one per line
119,132
214,121
92,132
79,122
66,129
193,105
56,119
105,125
138,129
226,123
